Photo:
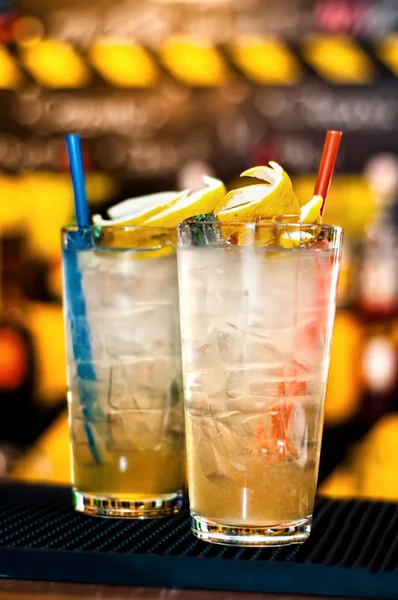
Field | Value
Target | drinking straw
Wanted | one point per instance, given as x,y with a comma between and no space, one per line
326,166
80,240
78,180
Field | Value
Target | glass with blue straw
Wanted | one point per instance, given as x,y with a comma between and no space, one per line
123,363
78,241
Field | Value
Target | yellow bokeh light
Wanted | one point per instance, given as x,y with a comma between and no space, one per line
13,205
123,64
342,404
194,63
266,61
345,195
388,52
55,64
338,59
40,203
10,74
48,460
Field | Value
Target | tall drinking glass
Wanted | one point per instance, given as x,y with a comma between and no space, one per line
123,370
257,304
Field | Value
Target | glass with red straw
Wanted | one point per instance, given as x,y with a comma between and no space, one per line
256,323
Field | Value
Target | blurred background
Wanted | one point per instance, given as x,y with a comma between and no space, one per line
162,91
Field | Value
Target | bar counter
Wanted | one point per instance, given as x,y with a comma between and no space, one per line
33,590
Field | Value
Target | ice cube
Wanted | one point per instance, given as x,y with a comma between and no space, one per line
200,355
136,430
261,350
85,397
237,383
150,380
140,330
271,286
231,345
204,359
88,336
120,280
214,382
142,383
255,379
226,441
298,433
309,342
205,450
80,430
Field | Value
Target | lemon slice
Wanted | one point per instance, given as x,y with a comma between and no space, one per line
311,212
136,211
275,198
202,201
281,199
141,204
241,204
294,239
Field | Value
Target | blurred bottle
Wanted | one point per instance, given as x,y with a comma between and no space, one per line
377,296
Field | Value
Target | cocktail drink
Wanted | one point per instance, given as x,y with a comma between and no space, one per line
123,351
257,303
123,370
256,326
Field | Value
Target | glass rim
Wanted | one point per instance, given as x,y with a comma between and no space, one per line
258,224
250,225
119,228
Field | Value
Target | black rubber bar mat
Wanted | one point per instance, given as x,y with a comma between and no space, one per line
352,551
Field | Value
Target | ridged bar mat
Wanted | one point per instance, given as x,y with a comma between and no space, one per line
352,551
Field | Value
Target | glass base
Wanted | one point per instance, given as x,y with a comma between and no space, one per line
112,506
294,532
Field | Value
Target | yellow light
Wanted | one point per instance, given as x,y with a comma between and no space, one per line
10,74
342,483
55,64
14,207
388,53
345,195
266,61
123,64
41,319
49,458
348,338
338,59
195,63
46,216
377,463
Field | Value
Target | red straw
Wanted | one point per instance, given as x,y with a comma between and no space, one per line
326,166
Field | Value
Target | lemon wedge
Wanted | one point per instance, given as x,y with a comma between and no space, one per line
142,204
202,201
241,204
311,212
275,198
281,199
294,239
136,211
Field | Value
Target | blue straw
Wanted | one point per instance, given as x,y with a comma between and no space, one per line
77,241
78,181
